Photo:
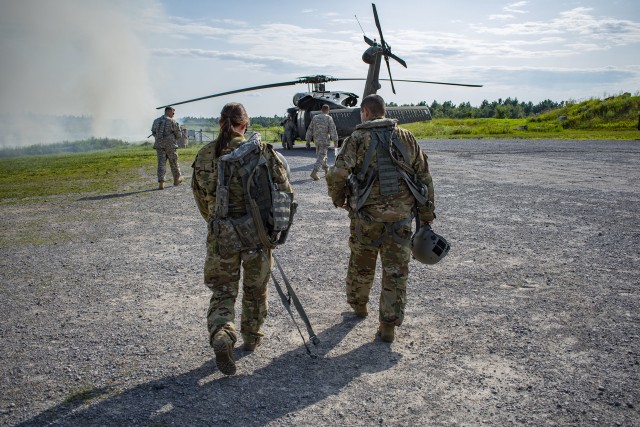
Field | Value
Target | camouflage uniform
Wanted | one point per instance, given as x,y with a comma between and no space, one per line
320,129
166,131
383,225
222,272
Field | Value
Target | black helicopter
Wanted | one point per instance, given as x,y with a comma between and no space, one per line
342,104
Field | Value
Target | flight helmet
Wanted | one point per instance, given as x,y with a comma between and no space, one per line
427,246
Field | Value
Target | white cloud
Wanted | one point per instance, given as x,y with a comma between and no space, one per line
516,7
500,17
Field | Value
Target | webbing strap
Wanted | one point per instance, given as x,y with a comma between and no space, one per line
286,301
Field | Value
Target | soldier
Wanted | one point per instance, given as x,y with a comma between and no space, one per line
227,247
369,179
320,129
166,131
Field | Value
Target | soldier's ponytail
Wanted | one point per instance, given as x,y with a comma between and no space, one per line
232,114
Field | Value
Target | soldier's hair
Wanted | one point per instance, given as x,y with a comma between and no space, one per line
232,114
167,109
325,108
375,105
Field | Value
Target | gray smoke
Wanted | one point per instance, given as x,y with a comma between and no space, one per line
80,58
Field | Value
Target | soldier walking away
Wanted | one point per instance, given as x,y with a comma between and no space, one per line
381,176
166,131
320,130
229,198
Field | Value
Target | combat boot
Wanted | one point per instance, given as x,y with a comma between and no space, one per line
387,331
314,175
251,342
360,310
178,181
223,349
161,185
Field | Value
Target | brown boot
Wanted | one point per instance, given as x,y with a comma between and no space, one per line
223,349
178,181
160,185
251,342
314,175
360,310
387,331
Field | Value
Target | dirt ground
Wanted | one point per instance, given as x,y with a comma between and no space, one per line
532,319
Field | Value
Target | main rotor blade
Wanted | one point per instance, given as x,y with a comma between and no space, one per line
368,41
375,16
386,59
397,58
247,89
418,81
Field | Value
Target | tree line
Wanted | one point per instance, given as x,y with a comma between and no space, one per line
213,121
509,108
500,109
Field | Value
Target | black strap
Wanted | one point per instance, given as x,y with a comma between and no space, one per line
286,301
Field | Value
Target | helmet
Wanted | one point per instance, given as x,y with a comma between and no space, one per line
427,246
285,164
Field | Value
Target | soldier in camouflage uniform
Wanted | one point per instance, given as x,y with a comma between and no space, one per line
222,266
382,225
166,131
320,130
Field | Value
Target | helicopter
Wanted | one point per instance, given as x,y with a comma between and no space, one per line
342,105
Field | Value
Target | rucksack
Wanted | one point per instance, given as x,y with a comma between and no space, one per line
270,211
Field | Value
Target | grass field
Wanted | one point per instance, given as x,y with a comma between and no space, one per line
124,169
519,128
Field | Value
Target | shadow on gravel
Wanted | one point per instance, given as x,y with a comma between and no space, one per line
290,383
115,195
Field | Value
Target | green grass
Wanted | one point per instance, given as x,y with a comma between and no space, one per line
515,128
122,169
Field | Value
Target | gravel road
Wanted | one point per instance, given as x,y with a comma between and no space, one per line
532,319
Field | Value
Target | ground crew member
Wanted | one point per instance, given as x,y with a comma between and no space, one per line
166,131
320,130
382,222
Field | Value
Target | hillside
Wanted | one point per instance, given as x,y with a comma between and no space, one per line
616,112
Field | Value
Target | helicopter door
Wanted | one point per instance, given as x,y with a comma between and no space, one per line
303,120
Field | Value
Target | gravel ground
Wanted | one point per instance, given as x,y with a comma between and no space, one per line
531,320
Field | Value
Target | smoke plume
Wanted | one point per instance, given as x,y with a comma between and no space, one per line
79,60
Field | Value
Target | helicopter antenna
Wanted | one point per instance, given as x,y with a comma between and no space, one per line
363,33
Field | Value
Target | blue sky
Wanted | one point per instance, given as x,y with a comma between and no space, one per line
120,59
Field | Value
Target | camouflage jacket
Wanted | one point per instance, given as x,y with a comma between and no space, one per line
166,130
388,208
320,128
205,178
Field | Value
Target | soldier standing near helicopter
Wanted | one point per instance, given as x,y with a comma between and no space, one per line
167,133
371,178
320,130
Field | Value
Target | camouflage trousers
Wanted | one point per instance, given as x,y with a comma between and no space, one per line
322,148
167,152
395,254
222,276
